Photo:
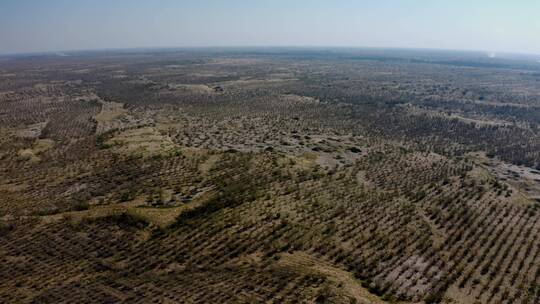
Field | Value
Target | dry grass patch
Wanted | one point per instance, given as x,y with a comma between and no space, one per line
304,262
108,118
192,88
39,146
147,141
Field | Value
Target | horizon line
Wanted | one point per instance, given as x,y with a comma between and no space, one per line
209,47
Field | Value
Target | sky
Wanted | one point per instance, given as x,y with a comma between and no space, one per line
57,25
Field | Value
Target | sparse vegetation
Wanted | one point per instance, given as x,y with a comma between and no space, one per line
279,177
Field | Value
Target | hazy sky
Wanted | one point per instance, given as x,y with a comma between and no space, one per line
490,25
